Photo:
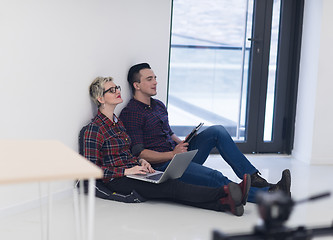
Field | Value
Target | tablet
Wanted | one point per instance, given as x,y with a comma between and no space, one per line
194,131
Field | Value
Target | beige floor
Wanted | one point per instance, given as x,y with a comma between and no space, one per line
116,220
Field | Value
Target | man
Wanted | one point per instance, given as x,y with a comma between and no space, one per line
146,122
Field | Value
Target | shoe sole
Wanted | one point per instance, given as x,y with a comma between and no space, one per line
235,192
236,196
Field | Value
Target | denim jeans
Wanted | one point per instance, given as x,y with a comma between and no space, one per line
205,141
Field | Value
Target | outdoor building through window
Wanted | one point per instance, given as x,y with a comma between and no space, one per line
209,65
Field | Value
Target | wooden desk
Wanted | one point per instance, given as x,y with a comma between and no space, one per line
37,160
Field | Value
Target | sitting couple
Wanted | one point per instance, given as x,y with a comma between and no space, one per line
146,142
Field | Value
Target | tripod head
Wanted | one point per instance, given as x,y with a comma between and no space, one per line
274,209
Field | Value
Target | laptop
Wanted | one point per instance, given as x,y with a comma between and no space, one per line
175,169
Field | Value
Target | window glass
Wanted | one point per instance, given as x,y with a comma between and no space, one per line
209,64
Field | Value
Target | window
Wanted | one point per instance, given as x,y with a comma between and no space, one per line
231,65
209,64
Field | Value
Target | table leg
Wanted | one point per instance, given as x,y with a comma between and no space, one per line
46,233
49,212
82,212
41,211
85,226
91,208
77,211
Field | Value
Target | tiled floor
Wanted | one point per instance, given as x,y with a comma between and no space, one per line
116,220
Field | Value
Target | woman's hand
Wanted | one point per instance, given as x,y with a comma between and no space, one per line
143,169
146,165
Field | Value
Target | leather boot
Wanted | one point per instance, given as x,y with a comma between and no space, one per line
245,187
233,200
259,182
284,184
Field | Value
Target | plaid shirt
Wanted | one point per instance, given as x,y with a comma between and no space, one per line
148,126
107,145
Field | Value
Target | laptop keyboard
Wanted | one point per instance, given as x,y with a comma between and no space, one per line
155,177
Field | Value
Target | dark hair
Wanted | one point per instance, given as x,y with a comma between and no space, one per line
133,74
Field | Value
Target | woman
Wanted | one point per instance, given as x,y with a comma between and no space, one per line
107,145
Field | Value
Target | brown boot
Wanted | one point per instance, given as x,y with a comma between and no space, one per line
245,187
233,200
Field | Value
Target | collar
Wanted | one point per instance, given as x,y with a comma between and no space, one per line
143,105
107,120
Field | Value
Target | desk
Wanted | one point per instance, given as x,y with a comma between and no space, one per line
24,161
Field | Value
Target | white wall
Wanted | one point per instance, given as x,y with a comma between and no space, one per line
50,51
314,128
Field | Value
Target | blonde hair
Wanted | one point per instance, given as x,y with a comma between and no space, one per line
96,88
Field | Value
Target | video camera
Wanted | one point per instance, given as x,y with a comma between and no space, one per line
274,209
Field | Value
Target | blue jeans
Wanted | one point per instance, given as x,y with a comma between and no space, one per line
205,141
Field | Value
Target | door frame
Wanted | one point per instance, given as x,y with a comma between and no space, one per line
287,73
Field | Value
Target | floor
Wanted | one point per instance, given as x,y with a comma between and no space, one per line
116,220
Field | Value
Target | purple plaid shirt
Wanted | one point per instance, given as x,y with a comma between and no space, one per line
148,126
107,145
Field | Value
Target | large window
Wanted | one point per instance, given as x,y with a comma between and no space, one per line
209,64
224,68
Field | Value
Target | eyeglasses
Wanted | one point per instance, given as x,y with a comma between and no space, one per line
112,89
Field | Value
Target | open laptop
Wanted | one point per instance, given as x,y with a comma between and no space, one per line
175,169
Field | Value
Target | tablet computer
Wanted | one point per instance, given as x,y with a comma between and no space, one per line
194,131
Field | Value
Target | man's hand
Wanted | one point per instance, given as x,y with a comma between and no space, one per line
180,148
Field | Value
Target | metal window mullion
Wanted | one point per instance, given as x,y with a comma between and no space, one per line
242,71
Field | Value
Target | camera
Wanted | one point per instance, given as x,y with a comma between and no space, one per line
274,209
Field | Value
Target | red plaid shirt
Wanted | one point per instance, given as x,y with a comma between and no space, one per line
107,145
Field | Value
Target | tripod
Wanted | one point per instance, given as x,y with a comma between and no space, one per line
275,209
